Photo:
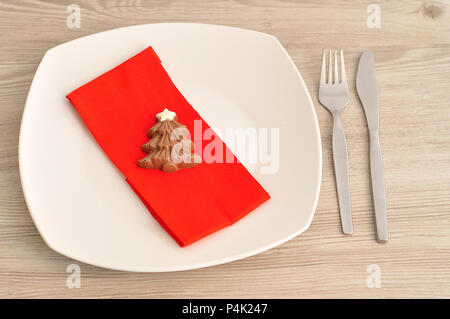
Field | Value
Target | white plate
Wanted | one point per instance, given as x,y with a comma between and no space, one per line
80,202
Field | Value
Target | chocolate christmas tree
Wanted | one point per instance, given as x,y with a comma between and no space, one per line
168,148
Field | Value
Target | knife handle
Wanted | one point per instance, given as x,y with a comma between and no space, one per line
341,171
378,188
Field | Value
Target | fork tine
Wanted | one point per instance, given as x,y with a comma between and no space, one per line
343,76
324,69
330,74
336,79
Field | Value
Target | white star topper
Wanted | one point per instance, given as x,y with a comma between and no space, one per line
166,115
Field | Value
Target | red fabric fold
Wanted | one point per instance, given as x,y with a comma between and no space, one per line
119,107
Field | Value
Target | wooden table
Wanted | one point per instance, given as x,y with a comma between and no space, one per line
412,53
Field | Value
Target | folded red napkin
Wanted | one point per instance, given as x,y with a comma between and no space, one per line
119,107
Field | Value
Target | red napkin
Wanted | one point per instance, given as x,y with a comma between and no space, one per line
119,107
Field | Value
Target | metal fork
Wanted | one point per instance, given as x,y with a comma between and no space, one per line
334,96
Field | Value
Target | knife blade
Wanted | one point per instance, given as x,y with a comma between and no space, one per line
366,86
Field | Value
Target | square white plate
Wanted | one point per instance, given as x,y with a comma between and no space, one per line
80,202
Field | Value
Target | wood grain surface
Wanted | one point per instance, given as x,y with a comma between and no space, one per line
412,53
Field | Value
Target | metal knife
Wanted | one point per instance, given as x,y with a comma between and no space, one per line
366,85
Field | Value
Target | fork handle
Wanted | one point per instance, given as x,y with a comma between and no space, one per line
341,171
378,189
